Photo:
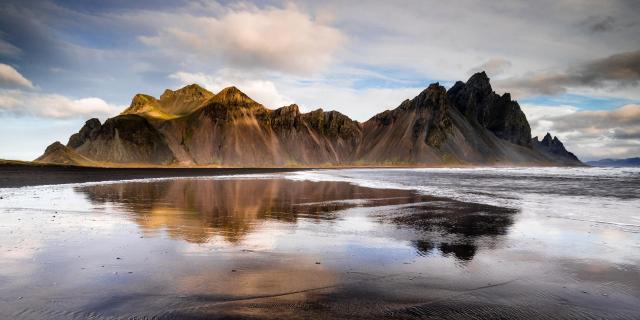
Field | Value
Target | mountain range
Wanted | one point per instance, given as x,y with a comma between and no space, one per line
628,162
469,124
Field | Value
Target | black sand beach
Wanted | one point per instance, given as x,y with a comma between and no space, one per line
20,175
305,245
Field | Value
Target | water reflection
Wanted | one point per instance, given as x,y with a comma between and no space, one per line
198,210
276,248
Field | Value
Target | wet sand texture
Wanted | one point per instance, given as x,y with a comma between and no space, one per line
278,248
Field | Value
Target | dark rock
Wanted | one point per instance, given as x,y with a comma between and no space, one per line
88,132
469,124
498,114
286,118
56,146
332,124
554,149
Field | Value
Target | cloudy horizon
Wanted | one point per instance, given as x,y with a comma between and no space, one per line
574,66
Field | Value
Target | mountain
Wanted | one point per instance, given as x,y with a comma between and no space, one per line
467,125
60,154
553,148
628,162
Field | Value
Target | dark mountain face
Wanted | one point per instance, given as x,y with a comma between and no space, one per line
127,138
481,106
411,133
469,124
554,149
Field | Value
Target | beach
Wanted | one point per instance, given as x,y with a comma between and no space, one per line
316,244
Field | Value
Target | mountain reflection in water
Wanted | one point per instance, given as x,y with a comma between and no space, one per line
197,210
277,246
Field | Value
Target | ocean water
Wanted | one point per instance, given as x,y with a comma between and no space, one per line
358,243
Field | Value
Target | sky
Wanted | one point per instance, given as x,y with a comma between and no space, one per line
573,65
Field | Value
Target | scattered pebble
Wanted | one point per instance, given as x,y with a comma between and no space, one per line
317,262
118,258
233,270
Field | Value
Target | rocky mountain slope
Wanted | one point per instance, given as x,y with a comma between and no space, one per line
467,125
552,148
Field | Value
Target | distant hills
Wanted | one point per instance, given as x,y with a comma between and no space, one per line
467,125
629,162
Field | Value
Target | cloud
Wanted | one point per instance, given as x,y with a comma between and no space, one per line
493,67
358,103
590,134
11,77
262,91
7,49
16,102
618,71
539,117
119,48
600,24
285,40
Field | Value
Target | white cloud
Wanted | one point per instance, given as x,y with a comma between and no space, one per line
251,38
590,134
359,104
262,91
539,116
53,105
9,76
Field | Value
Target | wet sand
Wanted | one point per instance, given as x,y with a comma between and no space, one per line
21,175
278,248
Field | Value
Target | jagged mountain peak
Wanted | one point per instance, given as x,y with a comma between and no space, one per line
61,154
189,92
478,85
477,101
54,147
467,124
434,94
554,148
172,104
292,109
141,104
86,132
548,139
142,98
480,81
233,96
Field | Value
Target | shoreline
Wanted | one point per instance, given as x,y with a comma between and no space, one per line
15,174
21,175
